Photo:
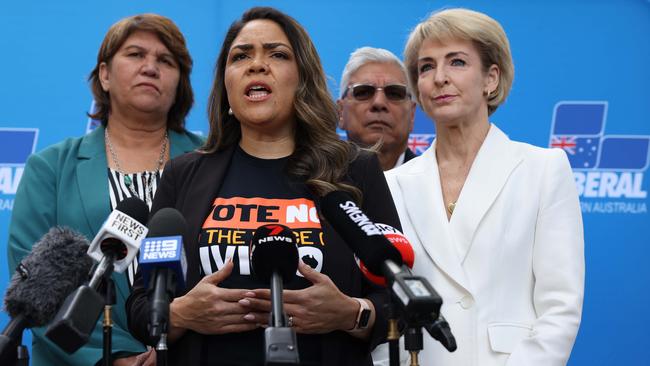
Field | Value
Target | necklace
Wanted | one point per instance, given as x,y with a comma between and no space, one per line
450,207
146,182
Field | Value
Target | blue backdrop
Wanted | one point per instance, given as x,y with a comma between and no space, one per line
580,84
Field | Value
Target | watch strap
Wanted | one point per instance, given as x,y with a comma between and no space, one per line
363,316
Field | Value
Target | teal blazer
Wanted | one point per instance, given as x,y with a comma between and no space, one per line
66,184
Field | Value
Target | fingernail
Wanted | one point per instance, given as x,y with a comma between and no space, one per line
249,294
249,317
244,302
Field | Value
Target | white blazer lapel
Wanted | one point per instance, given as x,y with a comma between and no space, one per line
420,189
493,165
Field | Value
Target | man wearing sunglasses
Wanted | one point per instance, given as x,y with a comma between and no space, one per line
375,104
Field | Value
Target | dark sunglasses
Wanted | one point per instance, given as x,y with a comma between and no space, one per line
363,92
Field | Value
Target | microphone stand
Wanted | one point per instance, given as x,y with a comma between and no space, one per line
393,334
436,326
22,353
161,350
103,276
419,307
413,343
281,347
161,291
12,351
107,335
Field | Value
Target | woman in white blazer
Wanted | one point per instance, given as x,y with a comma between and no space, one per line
495,224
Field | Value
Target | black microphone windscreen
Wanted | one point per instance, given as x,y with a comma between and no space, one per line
360,234
273,249
166,222
56,266
135,208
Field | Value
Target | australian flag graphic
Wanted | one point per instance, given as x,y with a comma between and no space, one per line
578,129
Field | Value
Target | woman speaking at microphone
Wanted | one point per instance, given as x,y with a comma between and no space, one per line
141,85
272,153
495,223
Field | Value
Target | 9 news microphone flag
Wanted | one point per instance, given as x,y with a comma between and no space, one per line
163,266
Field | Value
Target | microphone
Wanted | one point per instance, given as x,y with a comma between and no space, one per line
381,258
361,235
118,240
273,250
438,327
56,265
274,260
163,265
414,294
397,240
114,247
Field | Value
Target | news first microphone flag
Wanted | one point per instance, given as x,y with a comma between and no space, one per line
124,228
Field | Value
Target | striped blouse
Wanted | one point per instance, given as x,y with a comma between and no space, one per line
144,185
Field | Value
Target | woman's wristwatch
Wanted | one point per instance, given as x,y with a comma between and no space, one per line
363,316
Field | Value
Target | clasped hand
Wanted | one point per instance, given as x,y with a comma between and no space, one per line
319,308
210,309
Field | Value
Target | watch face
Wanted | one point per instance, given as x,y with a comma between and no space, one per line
364,318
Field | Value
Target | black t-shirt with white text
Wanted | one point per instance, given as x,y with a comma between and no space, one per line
256,192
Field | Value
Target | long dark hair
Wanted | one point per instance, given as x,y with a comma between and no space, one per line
320,157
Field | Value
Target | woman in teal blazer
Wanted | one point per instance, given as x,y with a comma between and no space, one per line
143,93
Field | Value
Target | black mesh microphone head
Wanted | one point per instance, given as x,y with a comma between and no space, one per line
54,268
361,235
134,207
273,248
166,222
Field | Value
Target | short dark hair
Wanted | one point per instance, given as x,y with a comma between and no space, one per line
172,38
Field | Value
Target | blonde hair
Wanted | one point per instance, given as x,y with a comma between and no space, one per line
487,35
